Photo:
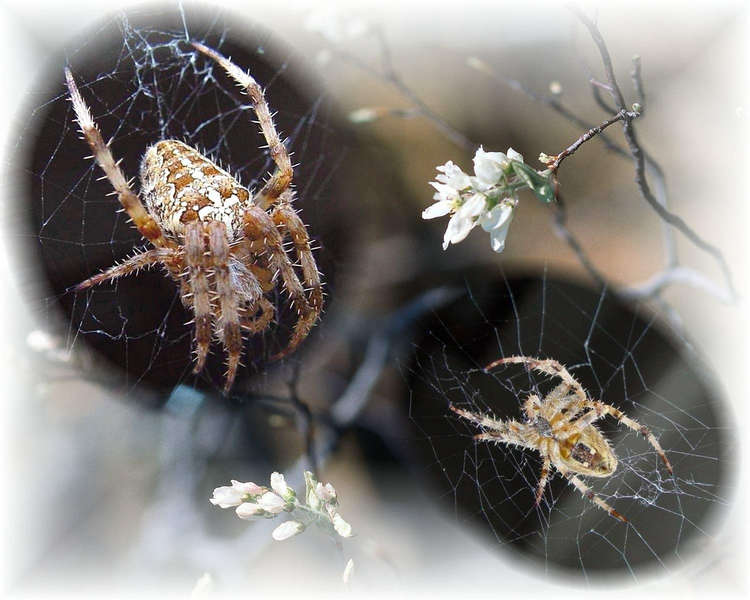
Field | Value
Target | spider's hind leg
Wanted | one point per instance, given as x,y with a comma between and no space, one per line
588,493
228,322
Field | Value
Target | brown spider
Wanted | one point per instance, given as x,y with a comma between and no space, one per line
212,235
561,428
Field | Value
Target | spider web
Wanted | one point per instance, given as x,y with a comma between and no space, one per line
144,82
622,357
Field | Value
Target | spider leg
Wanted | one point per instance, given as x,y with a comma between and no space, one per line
547,366
259,226
284,215
253,323
133,264
228,322
281,179
146,225
201,302
543,477
600,409
586,491
509,431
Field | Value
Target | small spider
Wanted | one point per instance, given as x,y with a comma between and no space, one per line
212,235
561,428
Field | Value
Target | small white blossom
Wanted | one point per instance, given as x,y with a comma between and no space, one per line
497,221
325,492
286,530
464,220
249,510
318,504
513,155
228,496
342,527
487,198
278,485
488,168
348,571
272,503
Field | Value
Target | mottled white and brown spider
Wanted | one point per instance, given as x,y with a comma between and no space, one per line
561,428
212,235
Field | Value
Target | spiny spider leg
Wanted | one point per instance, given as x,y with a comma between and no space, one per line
228,322
194,255
146,225
601,409
586,491
281,179
142,260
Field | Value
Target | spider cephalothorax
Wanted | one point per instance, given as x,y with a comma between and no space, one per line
561,428
221,243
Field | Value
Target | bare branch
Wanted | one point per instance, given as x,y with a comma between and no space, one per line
639,159
556,161
638,82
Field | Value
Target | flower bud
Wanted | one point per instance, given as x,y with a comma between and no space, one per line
249,510
342,527
348,571
279,485
286,530
326,492
272,503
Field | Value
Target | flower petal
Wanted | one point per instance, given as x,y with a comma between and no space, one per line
473,207
452,176
497,236
278,484
272,503
513,155
439,209
226,496
488,166
496,217
457,230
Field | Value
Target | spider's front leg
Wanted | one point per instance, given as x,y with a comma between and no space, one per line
259,226
546,366
600,409
282,177
146,225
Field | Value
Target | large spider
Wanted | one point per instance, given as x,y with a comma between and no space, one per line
212,235
561,428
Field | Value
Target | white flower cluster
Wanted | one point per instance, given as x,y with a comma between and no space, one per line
488,198
252,501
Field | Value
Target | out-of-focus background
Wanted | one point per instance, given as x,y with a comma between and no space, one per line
112,448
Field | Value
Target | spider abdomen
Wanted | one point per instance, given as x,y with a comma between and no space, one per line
588,453
180,185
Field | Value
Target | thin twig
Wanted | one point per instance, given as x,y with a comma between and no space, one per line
638,82
559,158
